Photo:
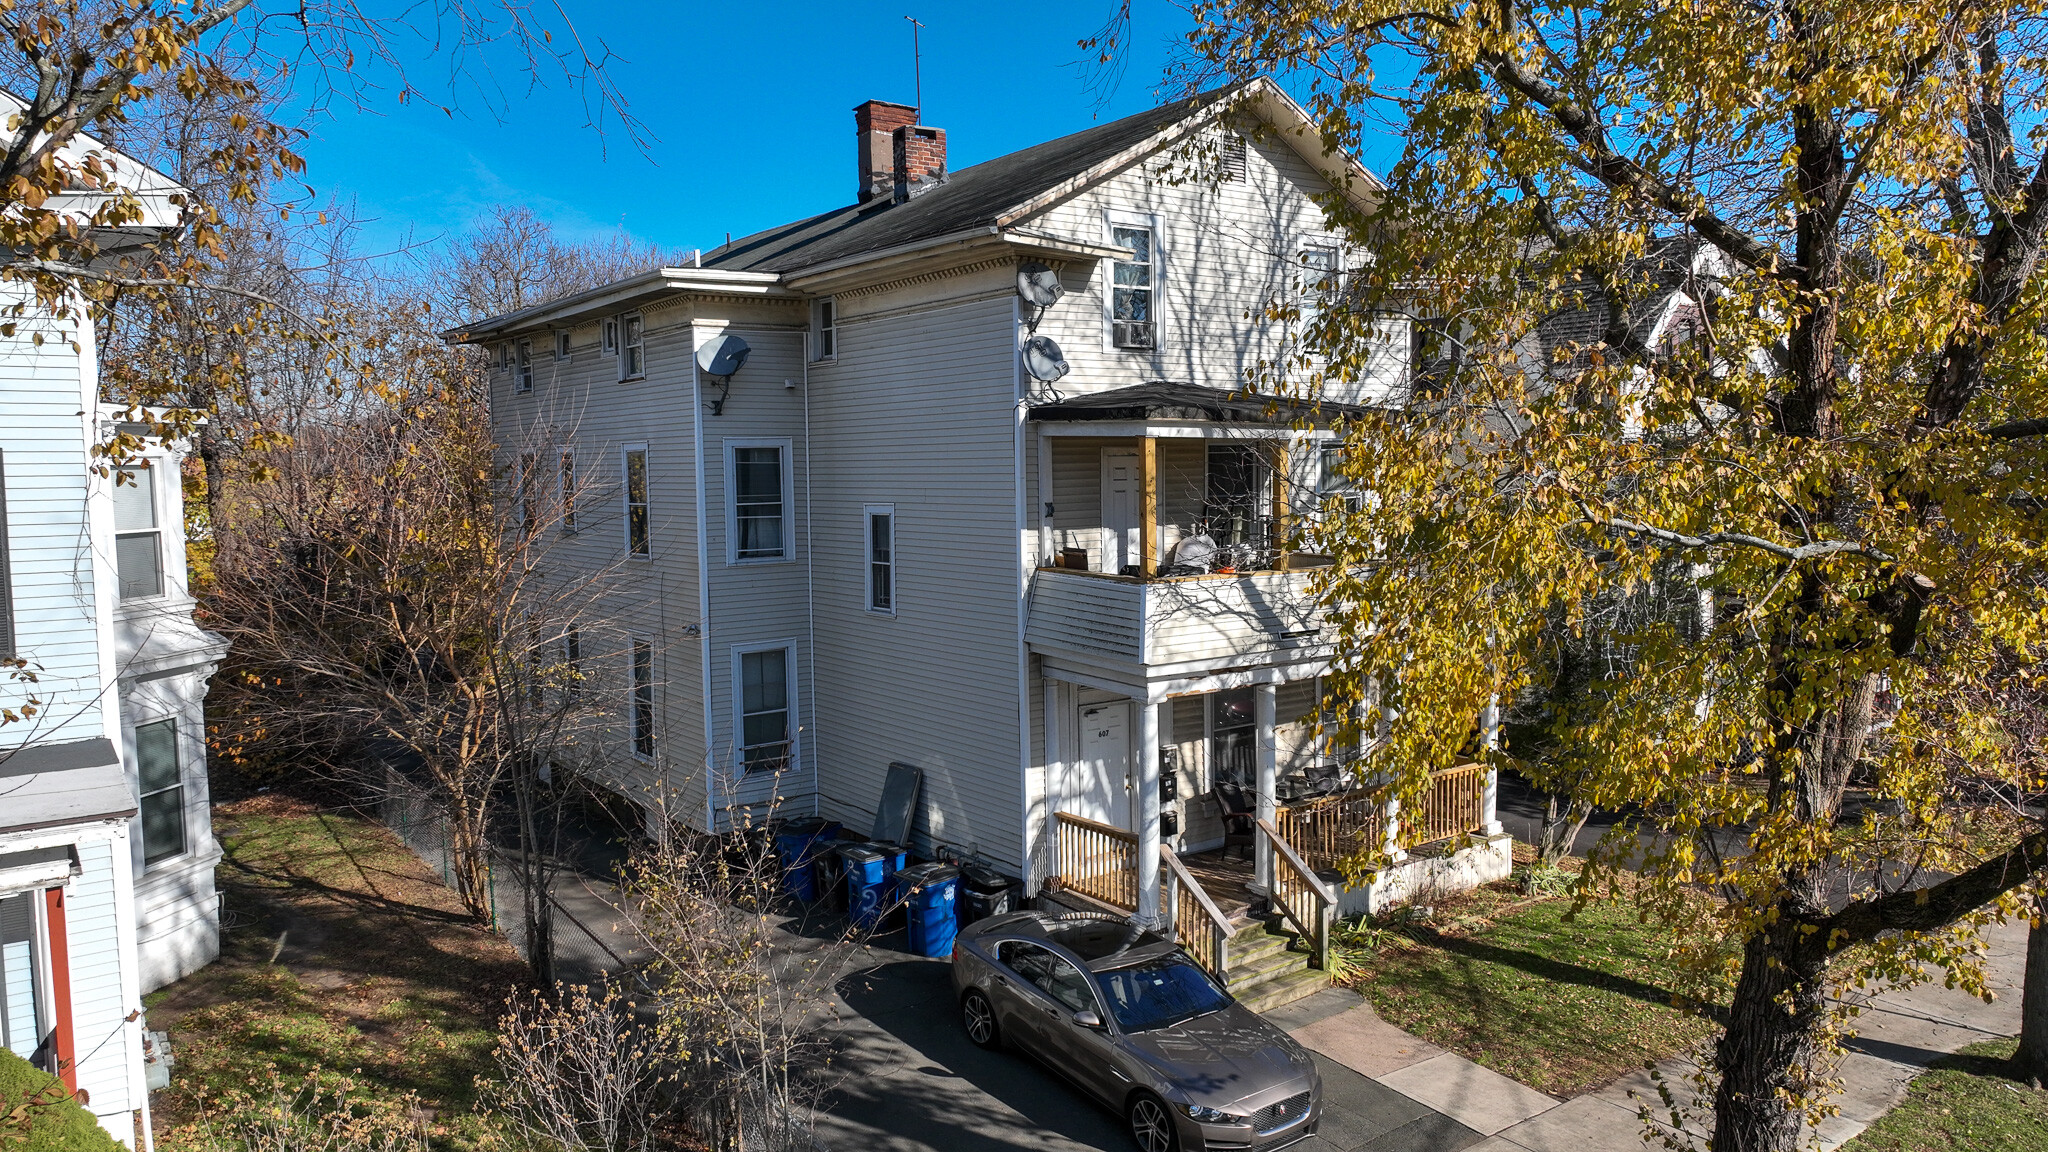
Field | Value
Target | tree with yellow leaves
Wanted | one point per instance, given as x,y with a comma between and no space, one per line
1834,467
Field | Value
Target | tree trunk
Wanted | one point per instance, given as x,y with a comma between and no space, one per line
2032,1057
1767,1055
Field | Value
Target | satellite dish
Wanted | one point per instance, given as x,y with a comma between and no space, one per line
1044,360
722,355
1038,285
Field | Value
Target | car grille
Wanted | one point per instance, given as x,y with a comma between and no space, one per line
1274,1117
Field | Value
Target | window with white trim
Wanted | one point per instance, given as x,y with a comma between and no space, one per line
633,467
763,695
825,326
880,535
527,495
758,478
611,336
138,539
572,663
1322,278
522,366
160,789
632,354
562,344
568,478
1133,290
642,659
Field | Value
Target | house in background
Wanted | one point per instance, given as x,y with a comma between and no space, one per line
106,849
965,476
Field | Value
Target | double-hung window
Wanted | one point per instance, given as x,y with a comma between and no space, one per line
562,344
528,494
610,340
1321,280
825,323
635,484
764,699
568,493
1133,287
643,698
522,366
758,475
161,791
572,663
881,553
138,540
632,352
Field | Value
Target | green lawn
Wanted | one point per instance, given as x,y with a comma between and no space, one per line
344,957
1561,1004
1965,1101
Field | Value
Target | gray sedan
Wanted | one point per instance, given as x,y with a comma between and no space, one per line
1131,1020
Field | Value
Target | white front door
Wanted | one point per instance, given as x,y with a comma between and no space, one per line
1100,787
1119,509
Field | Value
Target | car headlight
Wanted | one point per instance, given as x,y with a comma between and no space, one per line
1209,1115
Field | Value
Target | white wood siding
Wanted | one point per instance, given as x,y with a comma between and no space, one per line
1193,618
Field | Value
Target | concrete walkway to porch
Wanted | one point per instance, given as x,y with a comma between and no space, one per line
1478,1110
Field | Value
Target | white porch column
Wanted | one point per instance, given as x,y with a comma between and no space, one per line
1147,812
1489,796
1265,707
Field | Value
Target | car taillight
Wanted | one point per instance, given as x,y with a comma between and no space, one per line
956,949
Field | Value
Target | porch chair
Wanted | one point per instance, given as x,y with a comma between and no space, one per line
1236,810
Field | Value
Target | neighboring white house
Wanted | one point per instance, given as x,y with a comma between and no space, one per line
891,536
106,848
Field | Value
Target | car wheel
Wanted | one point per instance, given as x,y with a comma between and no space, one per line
978,1016
1152,1126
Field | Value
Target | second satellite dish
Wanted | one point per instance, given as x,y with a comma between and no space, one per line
722,355
1038,285
1044,360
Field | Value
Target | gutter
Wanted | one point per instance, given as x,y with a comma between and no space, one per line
658,280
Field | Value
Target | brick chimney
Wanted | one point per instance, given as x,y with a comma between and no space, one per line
920,155
875,124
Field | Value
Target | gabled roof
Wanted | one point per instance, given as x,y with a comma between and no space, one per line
1172,400
997,193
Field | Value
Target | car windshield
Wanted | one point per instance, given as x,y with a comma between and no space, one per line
1159,993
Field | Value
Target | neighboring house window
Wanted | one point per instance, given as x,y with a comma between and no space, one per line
572,663
643,699
162,790
636,501
529,482
1230,158
825,322
522,367
759,475
7,648
881,540
1321,278
568,493
764,709
138,543
611,336
632,355
562,345
1131,306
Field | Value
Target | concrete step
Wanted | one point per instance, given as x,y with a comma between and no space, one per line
1282,990
1250,970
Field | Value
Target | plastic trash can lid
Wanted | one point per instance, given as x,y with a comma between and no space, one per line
984,879
854,850
932,873
804,826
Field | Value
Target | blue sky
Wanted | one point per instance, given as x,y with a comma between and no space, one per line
749,106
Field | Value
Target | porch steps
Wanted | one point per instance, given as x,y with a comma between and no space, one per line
1266,971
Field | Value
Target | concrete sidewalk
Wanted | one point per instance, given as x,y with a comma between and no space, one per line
1899,1035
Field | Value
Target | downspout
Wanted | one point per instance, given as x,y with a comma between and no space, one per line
1018,411
811,583
703,584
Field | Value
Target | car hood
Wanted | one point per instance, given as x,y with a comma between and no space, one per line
1223,1057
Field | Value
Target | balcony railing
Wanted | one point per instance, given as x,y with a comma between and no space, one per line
1328,830
1170,619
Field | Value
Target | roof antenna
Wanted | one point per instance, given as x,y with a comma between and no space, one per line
917,63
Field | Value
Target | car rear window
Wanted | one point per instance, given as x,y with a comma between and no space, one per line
1159,993
1094,939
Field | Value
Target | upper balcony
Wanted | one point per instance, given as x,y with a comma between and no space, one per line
1167,515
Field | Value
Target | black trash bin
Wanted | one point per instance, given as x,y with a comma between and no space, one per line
984,892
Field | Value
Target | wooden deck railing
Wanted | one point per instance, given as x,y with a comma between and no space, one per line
1301,896
1329,829
1200,926
1097,860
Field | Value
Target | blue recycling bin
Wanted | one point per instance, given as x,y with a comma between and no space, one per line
930,894
797,844
869,868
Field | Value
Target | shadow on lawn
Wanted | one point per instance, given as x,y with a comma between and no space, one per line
1565,972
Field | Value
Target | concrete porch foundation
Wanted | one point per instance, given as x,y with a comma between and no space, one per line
1482,860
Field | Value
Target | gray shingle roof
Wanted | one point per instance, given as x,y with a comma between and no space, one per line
969,198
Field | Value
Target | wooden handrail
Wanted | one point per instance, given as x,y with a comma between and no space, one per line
1285,851
1300,895
1097,860
1209,939
1109,830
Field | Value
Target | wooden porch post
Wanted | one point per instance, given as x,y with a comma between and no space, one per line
1148,505
1281,506
1265,712
63,1045
1489,796
1147,811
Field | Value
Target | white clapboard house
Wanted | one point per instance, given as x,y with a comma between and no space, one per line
106,851
987,496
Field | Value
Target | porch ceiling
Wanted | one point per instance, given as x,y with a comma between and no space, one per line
1169,400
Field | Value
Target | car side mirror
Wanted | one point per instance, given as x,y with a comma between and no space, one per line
1087,1019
